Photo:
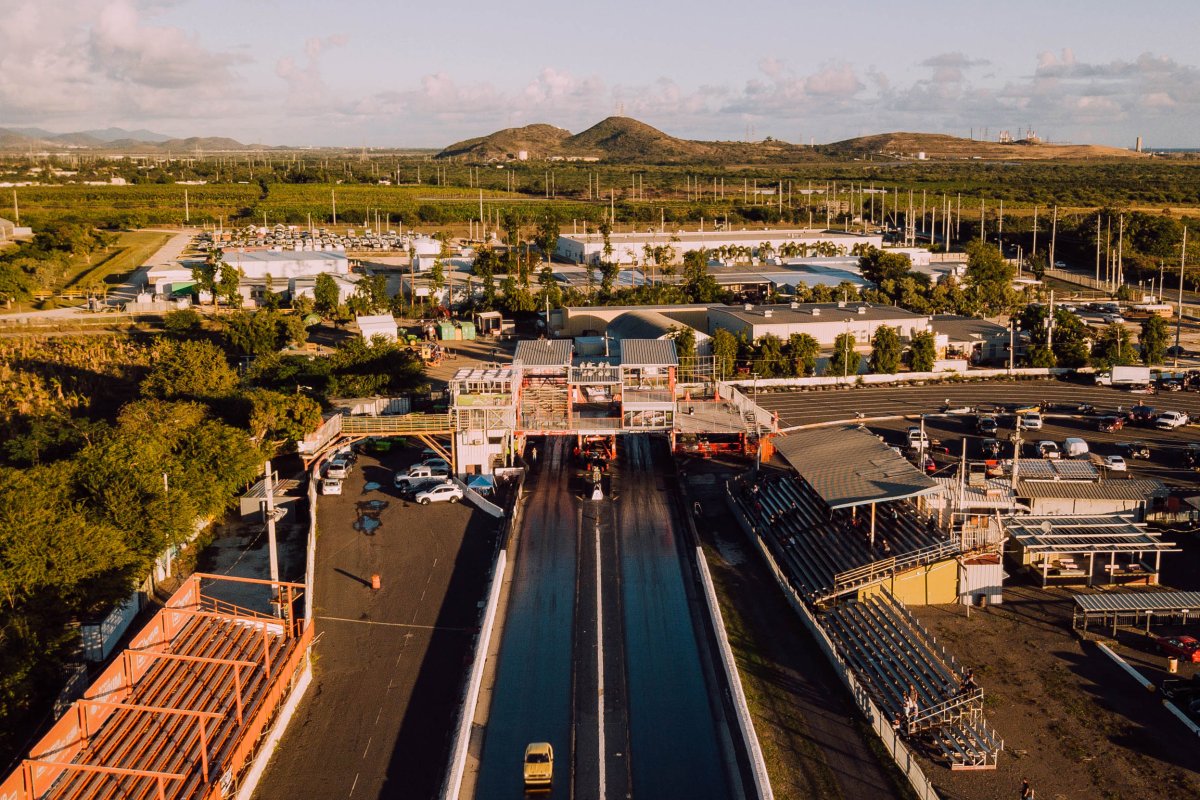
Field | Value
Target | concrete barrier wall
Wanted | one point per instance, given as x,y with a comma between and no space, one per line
901,755
820,381
758,766
466,711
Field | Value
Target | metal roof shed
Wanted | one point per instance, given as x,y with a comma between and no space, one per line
1118,607
1050,545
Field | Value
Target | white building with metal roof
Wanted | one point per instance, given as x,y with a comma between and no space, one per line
823,321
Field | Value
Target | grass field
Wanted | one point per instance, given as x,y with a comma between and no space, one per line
131,250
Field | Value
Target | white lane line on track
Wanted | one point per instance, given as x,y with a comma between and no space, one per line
600,664
353,784
368,747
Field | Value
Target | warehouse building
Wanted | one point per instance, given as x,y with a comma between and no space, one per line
629,248
822,321
646,324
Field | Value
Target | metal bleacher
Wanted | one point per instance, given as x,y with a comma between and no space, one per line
827,556
827,553
891,652
178,714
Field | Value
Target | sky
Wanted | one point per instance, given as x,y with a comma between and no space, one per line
401,74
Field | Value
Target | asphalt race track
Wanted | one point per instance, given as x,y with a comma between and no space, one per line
600,655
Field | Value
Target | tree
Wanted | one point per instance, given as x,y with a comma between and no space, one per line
547,235
437,277
252,333
878,266
1153,339
182,323
1114,347
281,418
885,351
326,296
205,276
724,350
845,359
922,352
989,278
485,267
302,305
802,352
188,369
768,356
228,284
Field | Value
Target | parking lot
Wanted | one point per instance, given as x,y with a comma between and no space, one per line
389,663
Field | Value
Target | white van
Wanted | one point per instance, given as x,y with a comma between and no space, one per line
1074,447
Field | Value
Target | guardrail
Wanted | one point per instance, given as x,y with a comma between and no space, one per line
901,755
900,377
397,424
758,765
462,734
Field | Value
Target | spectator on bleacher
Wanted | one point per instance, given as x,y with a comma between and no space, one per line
968,682
887,548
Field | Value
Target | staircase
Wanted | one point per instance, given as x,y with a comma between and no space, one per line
544,406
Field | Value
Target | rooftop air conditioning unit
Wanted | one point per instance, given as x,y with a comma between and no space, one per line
862,309
749,307
816,312
767,313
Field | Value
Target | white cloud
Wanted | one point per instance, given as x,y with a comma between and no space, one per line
84,62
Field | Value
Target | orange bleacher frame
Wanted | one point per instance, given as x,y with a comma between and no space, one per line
207,747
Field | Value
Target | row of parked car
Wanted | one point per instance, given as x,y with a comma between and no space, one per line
428,481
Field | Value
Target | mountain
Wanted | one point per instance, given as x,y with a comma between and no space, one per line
113,134
126,141
539,141
617,139
941,147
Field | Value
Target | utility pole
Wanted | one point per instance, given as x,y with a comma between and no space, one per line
1050,324
1120,276
1179,310
1097,247
1053,236
272,549
16,209
1033,252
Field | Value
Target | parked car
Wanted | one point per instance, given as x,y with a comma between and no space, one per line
331,486
1074,447
443,493
917,438
1135,450
1171,385
987,426
1031,421
1048,449
409,491
337,468
1114,318
1020,409
1143,414
1115,463
1170,420
418,473
1110,424
1185,648
436,463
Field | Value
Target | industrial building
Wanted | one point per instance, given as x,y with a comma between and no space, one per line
629,248
262,270
650,324
822,321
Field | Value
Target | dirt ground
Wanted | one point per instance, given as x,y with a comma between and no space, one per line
1073,723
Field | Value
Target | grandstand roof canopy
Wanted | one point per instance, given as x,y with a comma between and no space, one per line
648,353
848,467
1136,489
1066,535
1138,601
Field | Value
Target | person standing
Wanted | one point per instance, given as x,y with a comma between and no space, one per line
1026,790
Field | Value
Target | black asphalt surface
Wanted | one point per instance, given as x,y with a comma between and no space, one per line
672,730
660,737
807,407
532,698
389,664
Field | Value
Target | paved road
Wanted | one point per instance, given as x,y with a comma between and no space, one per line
600,655
532,698
390,663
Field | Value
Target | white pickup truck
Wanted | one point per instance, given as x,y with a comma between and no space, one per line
418,474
